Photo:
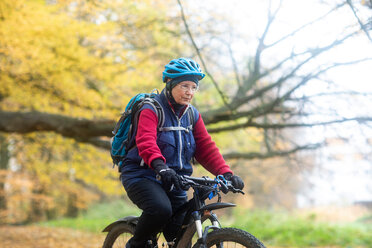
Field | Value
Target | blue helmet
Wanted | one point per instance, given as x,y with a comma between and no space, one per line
182,67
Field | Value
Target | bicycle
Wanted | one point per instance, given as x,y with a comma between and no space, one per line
197,212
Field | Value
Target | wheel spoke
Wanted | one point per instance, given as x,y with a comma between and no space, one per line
231,238
122,240
119,236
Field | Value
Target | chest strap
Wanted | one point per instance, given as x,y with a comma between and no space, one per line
167,129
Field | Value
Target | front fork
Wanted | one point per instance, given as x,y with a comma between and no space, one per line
202,235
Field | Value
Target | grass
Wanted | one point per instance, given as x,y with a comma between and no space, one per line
283,229
273,228
96,218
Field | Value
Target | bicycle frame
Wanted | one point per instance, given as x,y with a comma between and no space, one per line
196,213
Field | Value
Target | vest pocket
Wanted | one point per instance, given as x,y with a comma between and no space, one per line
190,146
168,148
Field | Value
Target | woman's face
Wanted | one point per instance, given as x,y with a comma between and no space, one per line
184,92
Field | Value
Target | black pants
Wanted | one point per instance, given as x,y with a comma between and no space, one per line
158,206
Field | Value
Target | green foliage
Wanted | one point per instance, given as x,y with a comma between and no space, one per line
97,217
273,228
283,229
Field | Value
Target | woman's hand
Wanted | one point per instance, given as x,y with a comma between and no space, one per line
168,176
170,179
236,181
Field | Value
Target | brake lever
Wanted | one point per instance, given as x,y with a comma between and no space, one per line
235,190
239,191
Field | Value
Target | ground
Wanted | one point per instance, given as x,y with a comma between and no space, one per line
44,237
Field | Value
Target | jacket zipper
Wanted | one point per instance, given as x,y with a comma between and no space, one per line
180,140
180,136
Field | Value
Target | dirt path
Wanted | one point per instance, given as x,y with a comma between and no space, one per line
44,237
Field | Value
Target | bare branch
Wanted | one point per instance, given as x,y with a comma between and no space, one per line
265,109
327,94
261,42
271,107
233,60
78,128
304,26
238,101
97,142
222,95
362,26
271,154
249,124
235,66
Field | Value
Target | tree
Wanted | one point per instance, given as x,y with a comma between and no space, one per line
70,83
264,97
287,93
4,162
74,58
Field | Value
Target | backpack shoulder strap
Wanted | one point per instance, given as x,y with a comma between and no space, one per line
191,114
159,111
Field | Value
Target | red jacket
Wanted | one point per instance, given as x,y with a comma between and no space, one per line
207,153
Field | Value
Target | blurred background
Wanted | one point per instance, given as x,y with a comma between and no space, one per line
287,99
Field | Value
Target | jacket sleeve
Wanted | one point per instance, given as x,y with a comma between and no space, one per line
207,153
146,137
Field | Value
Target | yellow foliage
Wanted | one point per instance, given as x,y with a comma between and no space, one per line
67,62
54,170
82,59
42,61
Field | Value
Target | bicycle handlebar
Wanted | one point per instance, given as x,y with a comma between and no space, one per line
224,185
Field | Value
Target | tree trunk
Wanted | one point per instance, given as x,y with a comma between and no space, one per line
37,211
4,162
72,210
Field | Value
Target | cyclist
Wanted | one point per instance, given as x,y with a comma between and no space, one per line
168,152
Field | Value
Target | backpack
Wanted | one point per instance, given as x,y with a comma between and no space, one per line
126,128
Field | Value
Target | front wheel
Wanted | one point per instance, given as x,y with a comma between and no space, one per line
231,237
119,235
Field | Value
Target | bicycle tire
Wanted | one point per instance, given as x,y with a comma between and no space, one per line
119,235
231,237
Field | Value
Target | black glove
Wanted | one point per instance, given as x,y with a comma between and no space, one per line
236,181
168,176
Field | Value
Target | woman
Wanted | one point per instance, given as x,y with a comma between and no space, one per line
168,152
